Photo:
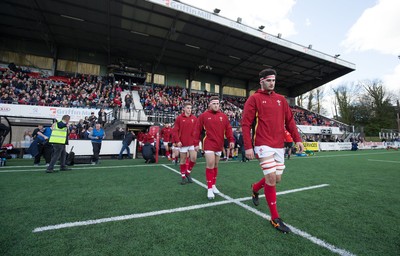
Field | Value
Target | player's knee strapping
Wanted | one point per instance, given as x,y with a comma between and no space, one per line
279,168
268,166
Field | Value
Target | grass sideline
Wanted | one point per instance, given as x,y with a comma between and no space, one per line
359,211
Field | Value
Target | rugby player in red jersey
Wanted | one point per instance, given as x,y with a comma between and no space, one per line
184,140
272,114
215,126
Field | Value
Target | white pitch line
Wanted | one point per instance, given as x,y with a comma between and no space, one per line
42,168
148,214
295,230
385,161
287,191
127,217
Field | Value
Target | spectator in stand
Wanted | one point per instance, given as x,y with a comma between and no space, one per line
73,135
121,133
102,117
80,126
117,104
128,103
86,122
83,134
5,98
97,135
116,134
92,119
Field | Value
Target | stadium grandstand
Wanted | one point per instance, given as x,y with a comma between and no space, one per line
140,60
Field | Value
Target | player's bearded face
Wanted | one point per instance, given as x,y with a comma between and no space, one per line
268,83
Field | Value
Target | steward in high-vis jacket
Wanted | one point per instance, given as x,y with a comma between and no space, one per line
59,138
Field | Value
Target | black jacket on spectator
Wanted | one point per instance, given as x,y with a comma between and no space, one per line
129,137
148,152
116,134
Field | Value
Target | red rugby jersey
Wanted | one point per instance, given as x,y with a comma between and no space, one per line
183,130
272,115
166,134
216,126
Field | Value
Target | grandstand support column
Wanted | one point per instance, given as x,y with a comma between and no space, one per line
153,69
247,88
191,78
55,60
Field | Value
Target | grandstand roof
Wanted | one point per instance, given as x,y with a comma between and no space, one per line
171,33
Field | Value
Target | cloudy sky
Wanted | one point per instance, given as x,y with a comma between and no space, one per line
364,32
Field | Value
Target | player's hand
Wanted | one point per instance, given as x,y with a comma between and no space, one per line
179,144
197,148
300,146
249,153
231,145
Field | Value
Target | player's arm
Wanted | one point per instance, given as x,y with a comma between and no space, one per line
197,130
175,132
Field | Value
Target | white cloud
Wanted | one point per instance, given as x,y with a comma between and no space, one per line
376,29
308,22
392,81
273,14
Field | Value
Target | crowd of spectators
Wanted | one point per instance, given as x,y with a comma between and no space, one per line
305,117
84,91
161,99
24,87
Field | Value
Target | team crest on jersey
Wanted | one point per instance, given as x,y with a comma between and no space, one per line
192,120
220,118
279,102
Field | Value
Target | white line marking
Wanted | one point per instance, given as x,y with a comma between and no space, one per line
43,168
296,231
385,161
127,217
148,214
287,191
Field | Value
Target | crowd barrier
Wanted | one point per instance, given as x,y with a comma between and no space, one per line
339,146
108,147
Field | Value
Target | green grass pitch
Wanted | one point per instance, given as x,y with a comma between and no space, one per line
129,208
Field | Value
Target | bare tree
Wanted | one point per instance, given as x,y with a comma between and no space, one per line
310,100
300,100
343,100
